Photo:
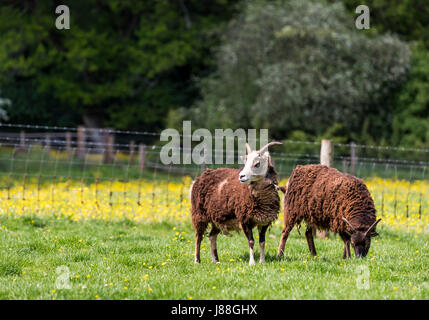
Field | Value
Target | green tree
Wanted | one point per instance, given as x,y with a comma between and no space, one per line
295,65
407,18
4,103
122,63
411,116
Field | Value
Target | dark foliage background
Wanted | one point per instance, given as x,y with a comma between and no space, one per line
299,68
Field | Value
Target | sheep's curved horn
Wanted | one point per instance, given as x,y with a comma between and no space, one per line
249,150
350,225
373,226
265,148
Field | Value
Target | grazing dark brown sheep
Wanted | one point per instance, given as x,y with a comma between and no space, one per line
234,200
327,199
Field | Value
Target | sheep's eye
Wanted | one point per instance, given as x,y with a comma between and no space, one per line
257,164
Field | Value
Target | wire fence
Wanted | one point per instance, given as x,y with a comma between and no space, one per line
103,166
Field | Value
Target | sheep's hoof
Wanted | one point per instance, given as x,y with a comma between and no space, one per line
261,261
251,262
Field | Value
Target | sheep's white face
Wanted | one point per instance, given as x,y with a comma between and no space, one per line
255,164
255,167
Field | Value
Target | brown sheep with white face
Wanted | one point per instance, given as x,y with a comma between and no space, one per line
234,200
327,199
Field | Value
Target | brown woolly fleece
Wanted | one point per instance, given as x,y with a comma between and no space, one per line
322,196
219,198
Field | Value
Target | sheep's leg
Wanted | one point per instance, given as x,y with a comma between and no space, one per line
249,235
310,240
262,232
198,239
213,246
346,253
346,239
285,233
199,233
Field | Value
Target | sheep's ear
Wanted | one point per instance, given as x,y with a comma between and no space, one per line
266,155
266,159
270,162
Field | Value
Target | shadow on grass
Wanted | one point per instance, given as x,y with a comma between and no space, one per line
10,269
35,222
272,258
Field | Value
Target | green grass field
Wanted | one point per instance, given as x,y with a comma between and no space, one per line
62,259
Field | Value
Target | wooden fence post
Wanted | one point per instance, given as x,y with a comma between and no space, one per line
204,165
81,142
132,149
142,151
353,158
68,144
109,150
22,141
327,153
327,159
344,163
47,142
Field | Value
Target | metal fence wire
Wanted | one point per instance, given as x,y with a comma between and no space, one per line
92,163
